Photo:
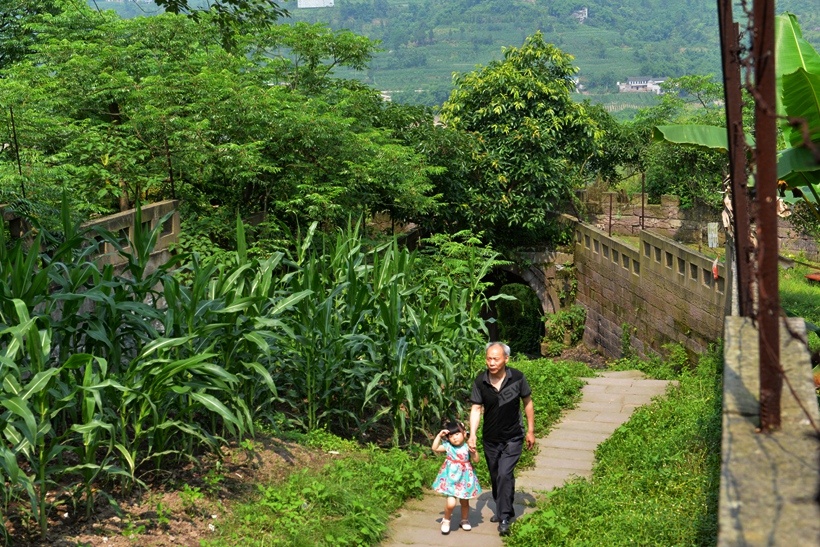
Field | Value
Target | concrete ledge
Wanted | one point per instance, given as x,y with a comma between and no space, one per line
769,482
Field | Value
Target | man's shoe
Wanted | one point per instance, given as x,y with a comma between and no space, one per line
504,527
494,518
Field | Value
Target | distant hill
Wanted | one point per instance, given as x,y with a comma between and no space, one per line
425,41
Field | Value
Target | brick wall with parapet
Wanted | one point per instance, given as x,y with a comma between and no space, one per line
664,291
687,225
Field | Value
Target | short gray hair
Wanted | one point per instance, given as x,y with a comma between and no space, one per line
502,344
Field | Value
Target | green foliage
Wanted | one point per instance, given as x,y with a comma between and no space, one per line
17,34
519,320
346,502
531,137
107,109
798,81
799,298
656,480
380,339
568,284
667,366
191,497
565,328
335,333
627,351
694,174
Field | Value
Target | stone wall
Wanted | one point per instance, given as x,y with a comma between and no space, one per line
664,292
614,213
124,223
769,487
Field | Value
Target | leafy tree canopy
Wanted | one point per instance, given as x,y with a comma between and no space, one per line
154,108
16,33
241,10
531,137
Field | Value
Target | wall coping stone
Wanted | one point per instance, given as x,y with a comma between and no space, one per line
769,481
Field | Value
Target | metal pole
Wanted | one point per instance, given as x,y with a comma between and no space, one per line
643,198
17,152
768,315
170,167
730,54
610,214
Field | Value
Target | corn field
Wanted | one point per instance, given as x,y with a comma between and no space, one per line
108,377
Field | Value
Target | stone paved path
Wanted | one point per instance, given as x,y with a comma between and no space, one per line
607,402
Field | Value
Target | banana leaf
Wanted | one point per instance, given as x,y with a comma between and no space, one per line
801,99
792,52
707,137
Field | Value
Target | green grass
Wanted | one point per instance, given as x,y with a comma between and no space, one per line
800,298
347,502
656,480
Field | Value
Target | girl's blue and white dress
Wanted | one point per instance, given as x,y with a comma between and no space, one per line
456,477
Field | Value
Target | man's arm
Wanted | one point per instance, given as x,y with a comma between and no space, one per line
529,412
475,418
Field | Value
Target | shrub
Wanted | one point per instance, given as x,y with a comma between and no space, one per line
565,327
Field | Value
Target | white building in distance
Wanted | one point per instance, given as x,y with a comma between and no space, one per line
641,85
314,4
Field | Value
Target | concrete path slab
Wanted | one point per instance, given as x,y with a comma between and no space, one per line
568,451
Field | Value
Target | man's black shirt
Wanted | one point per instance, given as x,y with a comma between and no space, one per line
502,408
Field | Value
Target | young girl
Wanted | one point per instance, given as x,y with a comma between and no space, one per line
456,479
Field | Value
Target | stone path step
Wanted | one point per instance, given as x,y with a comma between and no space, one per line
607,402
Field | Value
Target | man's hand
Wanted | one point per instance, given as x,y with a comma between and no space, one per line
529,412
530,440
475,418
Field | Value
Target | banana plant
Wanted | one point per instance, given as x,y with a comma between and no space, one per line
798,103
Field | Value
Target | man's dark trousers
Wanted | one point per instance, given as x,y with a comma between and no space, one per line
501,460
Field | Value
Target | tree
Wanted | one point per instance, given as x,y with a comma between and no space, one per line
236,11
695,175
16,32
152,108
532,138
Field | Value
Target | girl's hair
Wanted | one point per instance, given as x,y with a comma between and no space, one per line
454,425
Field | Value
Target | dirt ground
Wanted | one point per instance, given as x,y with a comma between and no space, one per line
162,516
585,355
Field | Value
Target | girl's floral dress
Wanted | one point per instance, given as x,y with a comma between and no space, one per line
456,477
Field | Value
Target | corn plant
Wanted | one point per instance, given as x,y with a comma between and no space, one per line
27,420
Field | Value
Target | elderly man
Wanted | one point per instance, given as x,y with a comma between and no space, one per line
499,390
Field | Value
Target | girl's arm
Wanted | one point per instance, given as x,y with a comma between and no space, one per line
437,441
474,456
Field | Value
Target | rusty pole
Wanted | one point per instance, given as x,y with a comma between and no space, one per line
768,314
643,198
17,152
730,55
610,215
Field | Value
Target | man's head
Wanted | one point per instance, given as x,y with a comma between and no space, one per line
497,356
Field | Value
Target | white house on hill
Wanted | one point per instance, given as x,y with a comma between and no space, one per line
641,85
314,4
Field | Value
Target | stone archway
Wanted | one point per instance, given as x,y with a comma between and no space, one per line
541,275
